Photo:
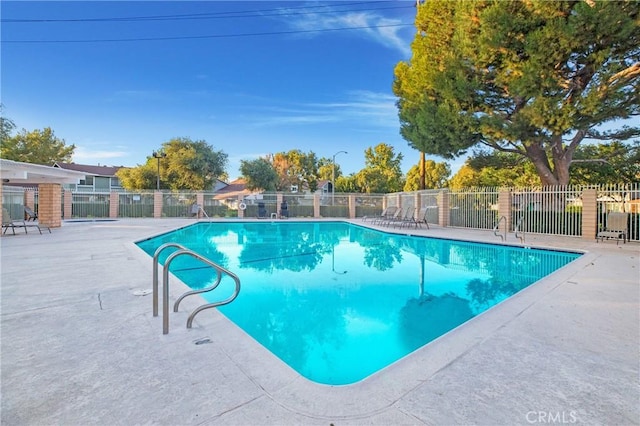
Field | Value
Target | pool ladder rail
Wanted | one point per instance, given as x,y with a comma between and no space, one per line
496,228
518,232
183,251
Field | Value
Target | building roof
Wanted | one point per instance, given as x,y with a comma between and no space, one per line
15,172
233,190
89,169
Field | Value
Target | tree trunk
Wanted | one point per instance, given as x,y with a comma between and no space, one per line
538,157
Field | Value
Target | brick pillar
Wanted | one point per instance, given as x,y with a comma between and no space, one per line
68,205
200,202
279,199
157,204
49,200
504,209
352,206
589,214
443,208
316,205
240,211
114,204
29,201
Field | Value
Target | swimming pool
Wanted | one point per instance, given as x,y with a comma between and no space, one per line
338,302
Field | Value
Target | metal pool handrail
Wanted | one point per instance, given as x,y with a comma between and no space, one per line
165,285
156,262
496,229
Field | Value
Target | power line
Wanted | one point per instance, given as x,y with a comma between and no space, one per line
260,34
217,15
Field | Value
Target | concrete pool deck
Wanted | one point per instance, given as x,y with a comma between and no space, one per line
79,346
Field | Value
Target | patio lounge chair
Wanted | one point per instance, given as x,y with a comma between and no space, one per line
397,217
284,210
7,223
262,211
418,218
407,218
384,215
422,217
31,215
616,227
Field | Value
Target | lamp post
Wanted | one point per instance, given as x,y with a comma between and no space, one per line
333,175
158,155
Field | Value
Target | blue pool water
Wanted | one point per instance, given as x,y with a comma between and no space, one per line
338,302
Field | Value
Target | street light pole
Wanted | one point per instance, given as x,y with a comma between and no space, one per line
333,175
158,155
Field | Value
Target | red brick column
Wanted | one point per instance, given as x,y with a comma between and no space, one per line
29,200
352,206
68,204
504,209
49,200
316,205
443,208
240,211
589,214
157,204
114,204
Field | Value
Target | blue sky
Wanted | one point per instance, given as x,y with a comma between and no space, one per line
117,79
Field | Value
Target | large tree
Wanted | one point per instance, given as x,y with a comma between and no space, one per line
430,176
603,164
37,146
495,169
382,172
327,169
534,78
296,168
259,174
187,165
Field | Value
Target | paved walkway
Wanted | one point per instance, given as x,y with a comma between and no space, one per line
79,346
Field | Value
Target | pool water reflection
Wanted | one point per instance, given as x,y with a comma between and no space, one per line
338,302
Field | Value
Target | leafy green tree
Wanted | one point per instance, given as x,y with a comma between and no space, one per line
296,168
466,177
495,169
259,174
435,176
520,77
326,170
6,126
187,165
606,163
347,183
382,172
37,146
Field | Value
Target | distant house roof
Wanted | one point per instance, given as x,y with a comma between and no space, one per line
89,169
233,190
323,183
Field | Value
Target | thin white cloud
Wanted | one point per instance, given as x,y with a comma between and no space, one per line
84,155
376,109
358,108
378,29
